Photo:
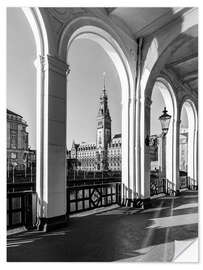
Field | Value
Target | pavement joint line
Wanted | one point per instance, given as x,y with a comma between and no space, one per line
16,231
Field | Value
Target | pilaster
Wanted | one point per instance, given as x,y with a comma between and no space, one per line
51,141
146,191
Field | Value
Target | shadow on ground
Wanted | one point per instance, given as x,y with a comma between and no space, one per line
121,234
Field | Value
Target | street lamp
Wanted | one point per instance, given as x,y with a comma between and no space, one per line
165,122
153,141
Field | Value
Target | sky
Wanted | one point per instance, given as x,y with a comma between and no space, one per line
157,107
88,61
21,73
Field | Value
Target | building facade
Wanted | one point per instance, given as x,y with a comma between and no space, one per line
103,155
18,153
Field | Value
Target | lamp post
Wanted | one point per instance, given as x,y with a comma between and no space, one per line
165,122
153,140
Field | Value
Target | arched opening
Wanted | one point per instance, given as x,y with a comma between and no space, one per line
165,160
29,84
188,140
21,95
94,138
120,63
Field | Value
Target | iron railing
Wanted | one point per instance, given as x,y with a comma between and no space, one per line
17,176
85,175
192,183
158,185
88,194
82,195
21,186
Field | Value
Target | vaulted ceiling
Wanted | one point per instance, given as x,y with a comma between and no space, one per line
143,22
184,62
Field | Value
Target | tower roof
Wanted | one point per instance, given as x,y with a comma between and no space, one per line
117,136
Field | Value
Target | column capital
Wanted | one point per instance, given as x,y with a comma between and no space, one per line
53,63
57,65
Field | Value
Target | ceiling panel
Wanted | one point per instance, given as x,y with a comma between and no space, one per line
138,18
186,67
193,84
144,21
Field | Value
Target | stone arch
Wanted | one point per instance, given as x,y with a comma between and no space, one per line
191,112
162,43
171,105
105,36
37,25
38,28
171,139
155,54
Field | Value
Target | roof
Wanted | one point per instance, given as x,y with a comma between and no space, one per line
117,136
11,112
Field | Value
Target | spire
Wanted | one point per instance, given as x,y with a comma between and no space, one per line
104,78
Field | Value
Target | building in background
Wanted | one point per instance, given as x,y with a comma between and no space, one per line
19,154
103,155
183,149
153,150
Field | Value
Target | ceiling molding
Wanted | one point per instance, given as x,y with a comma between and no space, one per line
155,24
183,60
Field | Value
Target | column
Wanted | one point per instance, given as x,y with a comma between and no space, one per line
51,142
132,187
163,155
145,191
160,157
178,122
125,151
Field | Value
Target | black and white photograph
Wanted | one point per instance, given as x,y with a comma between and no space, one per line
102,134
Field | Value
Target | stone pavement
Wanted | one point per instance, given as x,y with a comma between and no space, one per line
158,234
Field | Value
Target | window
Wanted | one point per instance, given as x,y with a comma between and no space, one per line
14,126
13,139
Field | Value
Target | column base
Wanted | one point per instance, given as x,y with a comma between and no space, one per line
53,223
139,203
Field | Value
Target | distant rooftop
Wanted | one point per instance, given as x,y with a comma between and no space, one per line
117,136
11,112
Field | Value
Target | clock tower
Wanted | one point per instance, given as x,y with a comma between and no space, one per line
103,132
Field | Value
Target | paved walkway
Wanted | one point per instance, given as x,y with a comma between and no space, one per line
158,234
